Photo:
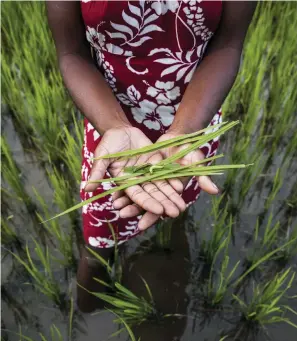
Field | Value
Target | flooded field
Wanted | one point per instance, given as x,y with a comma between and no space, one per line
225,270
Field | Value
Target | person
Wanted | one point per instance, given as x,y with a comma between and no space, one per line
141,72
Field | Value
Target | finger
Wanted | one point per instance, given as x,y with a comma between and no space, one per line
117,195
169,207
171,194
140,197
121,202
147,220
177,185
130,211
98,170
207,185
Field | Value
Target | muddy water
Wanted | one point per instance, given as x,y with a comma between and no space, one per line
167,273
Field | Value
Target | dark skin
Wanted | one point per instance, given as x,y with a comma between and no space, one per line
205,93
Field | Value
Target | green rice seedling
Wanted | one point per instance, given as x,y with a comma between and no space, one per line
9,238
266,244
197,139
63,195
73,140
286,254
217,289
43,280
221,228
129,307
289,208
265,258
276,186
63,237
164,169
127,327
55,335
34,87
13,176
265,305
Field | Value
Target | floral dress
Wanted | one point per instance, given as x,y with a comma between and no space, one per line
147,52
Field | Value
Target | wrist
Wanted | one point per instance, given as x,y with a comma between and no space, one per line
181,127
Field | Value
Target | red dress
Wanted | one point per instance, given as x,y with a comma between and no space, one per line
147,52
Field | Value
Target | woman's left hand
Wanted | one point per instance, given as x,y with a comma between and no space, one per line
205,182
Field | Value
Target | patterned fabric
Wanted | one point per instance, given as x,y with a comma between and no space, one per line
147,52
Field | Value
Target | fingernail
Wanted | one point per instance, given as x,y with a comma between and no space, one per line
215,187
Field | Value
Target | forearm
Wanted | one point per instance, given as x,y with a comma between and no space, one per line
91,93
207,90
217,72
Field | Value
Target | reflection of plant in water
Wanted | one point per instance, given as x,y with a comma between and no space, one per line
163,235
19,312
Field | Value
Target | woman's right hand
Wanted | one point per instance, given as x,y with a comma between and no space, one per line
156,197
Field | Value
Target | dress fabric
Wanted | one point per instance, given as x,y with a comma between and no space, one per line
147,52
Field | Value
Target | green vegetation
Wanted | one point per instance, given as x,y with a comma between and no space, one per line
247,238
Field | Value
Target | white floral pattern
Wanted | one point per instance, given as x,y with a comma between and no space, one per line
163,92
152,115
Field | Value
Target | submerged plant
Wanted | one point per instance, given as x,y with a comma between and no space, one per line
265,306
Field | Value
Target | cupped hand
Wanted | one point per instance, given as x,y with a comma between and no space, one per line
205,182
156,197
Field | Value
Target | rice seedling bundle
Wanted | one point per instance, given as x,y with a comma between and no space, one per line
167,168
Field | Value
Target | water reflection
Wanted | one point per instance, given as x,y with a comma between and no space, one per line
167,274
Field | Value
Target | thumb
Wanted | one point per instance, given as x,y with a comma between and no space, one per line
98,171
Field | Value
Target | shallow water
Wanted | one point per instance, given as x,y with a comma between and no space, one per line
167,273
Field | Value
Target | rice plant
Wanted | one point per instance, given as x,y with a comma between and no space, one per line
265,307
266,244
42,280
219,284
9,238
63,236
73,140
14,178
129,307
64,198
220,229
33,87
55,335
287,253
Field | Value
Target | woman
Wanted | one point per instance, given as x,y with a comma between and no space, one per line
155,70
